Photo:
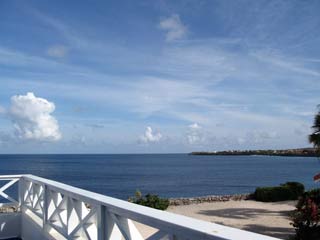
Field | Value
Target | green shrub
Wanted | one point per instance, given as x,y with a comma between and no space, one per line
149,200
287,191
306,217
297,189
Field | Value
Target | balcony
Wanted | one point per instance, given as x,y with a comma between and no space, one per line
37,208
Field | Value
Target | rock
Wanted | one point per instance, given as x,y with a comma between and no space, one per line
213,198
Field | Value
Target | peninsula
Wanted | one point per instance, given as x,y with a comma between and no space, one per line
298,152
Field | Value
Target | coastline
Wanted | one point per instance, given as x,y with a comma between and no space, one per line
209,199
298,152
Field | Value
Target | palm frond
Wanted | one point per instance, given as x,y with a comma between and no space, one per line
314,138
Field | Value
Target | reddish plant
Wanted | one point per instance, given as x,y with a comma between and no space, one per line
305,219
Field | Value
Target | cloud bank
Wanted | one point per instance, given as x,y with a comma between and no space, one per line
150,137
174,27
32,118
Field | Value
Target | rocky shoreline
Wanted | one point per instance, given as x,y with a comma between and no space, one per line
8,209
212,198
298,152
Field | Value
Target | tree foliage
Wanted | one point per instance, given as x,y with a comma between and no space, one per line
150,200
314,138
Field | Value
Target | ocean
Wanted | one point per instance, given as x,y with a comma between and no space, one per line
168,175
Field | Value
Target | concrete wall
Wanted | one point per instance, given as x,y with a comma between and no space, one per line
10,225
25,225
31,226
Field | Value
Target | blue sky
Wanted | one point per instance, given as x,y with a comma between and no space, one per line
157,76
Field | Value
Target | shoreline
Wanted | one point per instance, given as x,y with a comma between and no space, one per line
298,152
209,199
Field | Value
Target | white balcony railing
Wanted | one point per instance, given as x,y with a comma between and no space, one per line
51,210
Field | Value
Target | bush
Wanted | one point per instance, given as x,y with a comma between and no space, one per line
149,200
306,217
287,191
297,189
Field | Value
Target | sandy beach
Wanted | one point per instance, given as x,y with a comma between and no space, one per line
265,218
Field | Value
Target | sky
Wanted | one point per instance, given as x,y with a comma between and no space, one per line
157,76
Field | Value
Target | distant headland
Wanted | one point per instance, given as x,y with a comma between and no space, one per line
298,152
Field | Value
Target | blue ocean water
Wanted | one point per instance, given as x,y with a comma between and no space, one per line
169,175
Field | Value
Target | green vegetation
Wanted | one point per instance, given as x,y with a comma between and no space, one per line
314,138
298,152
306,217
149,200
287,191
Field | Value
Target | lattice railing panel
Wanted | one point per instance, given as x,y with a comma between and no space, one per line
66,212
72,218
6,186
75,219
33,197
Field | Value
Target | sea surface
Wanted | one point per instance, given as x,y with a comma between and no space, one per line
168,175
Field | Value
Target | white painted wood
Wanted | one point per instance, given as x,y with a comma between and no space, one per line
10,177
160,235
79,214
126,227
112,230
5,187
101,223
10,225
134,232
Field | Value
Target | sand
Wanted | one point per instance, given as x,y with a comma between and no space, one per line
265,218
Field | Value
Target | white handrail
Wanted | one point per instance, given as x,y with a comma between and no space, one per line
12,180
69,210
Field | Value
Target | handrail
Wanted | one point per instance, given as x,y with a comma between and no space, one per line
168,222
9,177
12,180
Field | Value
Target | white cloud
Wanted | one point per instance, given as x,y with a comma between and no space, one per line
150,137
194,134
194,126
57,51
174,27
32,118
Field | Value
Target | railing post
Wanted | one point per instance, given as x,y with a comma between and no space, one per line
101,225
111,229
45,205
20,191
